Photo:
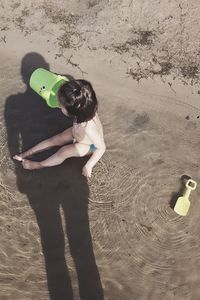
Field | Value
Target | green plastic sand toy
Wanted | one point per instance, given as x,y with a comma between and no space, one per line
46,84
183,204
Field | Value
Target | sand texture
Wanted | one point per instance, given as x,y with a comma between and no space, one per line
114,236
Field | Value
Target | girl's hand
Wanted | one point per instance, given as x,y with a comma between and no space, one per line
87,171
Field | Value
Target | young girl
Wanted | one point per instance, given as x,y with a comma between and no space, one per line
77,99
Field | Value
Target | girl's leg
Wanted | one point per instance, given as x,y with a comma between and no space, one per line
57,140
73,150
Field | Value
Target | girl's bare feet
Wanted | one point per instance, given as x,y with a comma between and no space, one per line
28,164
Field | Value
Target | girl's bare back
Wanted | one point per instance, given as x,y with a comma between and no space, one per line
80,131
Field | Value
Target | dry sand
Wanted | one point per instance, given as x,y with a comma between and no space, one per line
116,236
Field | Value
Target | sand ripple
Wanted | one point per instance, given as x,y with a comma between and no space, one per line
148,241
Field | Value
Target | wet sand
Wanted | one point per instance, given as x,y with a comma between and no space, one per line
116,235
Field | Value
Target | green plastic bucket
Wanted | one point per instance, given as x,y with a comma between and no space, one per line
46,84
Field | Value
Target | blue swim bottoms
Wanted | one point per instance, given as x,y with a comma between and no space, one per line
92,148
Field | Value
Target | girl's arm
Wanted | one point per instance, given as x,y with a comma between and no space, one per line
99,143
96,156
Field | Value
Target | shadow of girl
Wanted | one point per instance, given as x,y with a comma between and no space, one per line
28,121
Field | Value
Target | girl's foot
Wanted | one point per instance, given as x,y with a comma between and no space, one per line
18,157
30,165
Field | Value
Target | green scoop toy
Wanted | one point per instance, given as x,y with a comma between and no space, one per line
183,204
46,84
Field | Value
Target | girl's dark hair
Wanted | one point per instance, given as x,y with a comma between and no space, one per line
79,99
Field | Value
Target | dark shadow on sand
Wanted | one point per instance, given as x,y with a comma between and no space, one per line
29,120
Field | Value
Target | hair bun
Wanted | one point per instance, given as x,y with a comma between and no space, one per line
79,99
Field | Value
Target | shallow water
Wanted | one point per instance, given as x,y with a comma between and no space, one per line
142,249
148,152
